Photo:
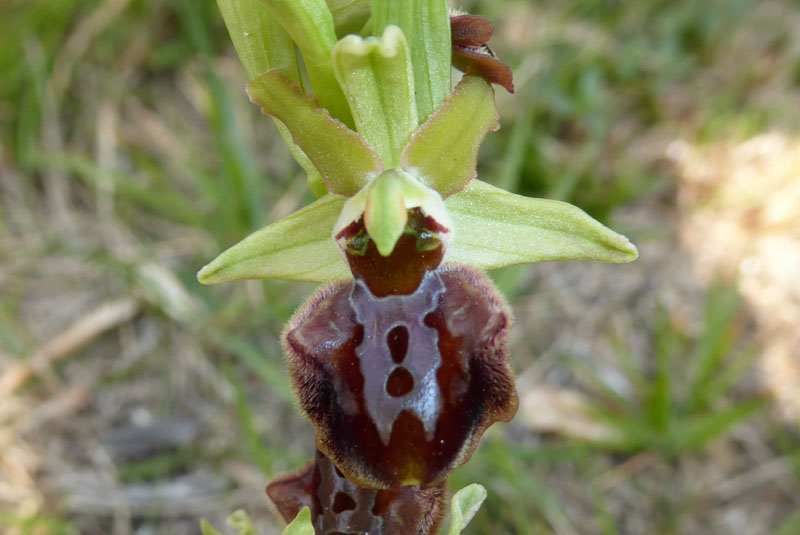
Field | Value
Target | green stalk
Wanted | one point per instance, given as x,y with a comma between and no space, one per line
263,45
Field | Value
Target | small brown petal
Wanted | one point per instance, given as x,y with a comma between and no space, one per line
469,34
470,30
482,62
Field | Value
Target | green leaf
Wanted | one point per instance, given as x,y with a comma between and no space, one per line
260,41
495,228
297,247
310,25
208,529
463,507
443,152
790,525
345,162
349,16
696,431
376,77
426,25
720,333
241,522
384,204
301,525
238,521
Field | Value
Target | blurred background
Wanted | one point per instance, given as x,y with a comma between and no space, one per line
660,397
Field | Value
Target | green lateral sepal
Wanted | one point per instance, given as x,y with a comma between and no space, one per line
377,79
443,152
310,25
297,247
426,25
495,228
345,162
384,204
464,505
301,525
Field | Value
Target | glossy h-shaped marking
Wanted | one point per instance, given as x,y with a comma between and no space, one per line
399,365
346,508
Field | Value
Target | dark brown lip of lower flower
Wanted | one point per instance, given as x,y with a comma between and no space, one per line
340,506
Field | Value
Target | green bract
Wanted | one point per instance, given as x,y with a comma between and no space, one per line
414,145
239,521
463,507
301,525
349,16
263,45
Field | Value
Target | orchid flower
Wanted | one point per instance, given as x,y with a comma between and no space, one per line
400,361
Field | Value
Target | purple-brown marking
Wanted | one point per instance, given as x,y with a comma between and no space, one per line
340,507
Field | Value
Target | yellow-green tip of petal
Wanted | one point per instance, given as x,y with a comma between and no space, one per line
629,251
206,275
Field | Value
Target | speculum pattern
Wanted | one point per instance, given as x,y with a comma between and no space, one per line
399,354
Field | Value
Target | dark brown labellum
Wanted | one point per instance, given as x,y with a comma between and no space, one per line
401,387
340,507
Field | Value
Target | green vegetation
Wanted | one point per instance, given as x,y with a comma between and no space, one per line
676,404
